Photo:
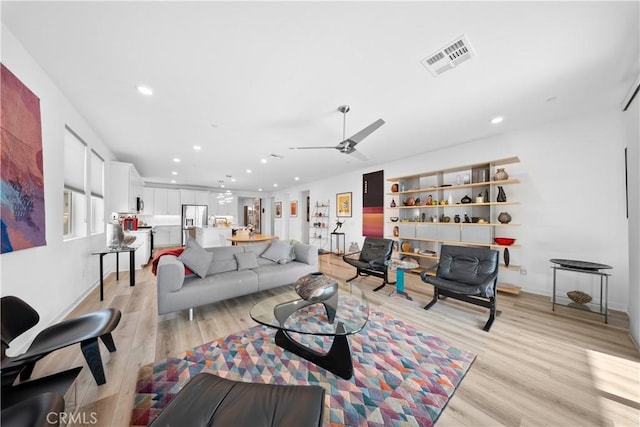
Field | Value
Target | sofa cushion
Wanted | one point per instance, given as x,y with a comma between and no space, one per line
246,261
278,251
196,258
224,259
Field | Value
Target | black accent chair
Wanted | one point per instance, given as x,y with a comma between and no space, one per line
467,274
18,317
208,400
42,410
370,261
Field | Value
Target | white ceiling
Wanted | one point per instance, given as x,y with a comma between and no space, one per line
245,80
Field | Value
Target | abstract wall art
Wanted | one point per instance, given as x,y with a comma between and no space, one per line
373,204
21,172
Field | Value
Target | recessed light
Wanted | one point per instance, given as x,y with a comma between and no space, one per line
145,90
263,160
259,189
248,170
177,160
174,173
497,120
296,178
197,147
233,180
221,185
173,181
275,185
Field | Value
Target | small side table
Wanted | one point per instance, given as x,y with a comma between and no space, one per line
132,264
400,266
586,268
338,237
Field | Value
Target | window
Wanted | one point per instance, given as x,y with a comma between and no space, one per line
74,206
97,193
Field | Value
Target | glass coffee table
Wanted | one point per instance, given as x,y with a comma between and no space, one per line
343,314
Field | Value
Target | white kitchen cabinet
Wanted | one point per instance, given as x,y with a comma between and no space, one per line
148,198
187,197
202,197
166,202
142,254
167,235
125,186
175,235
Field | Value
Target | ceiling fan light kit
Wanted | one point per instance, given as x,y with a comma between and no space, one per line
348,145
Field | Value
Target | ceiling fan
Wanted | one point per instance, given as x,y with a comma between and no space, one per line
348,145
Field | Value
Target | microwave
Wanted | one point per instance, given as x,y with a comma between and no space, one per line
139,204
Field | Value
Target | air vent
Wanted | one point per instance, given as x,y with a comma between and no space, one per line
450,56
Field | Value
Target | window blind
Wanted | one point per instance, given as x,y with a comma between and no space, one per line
74,161
97,175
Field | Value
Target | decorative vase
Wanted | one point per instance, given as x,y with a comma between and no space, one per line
316,287
393,203
394,188
504,218
456,218
502,196
500,175
506,257
396,231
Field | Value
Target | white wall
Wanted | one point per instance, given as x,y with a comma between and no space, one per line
572,197
632,121
54,277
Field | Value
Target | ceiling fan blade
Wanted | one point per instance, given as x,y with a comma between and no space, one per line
358,155
311,148
366,131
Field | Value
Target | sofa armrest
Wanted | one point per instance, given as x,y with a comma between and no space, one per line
170,274
306,253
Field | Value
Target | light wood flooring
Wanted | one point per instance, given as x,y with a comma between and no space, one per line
535,368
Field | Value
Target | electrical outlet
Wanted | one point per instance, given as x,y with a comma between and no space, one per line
523,271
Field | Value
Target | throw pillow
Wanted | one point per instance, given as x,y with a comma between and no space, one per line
292,255
196,258
246,261
277,251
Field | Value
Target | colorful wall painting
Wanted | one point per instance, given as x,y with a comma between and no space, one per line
373,204
22,181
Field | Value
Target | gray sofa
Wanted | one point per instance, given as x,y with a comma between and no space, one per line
226,277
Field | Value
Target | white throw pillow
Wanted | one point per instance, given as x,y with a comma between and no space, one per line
196,258
278,251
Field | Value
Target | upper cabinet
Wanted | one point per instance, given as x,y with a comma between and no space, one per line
166,202
194,197
126,186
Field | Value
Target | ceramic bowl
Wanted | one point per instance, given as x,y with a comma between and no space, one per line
394,219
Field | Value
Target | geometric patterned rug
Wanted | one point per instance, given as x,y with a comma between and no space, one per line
402,377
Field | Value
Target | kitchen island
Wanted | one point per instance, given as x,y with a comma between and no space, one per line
209,237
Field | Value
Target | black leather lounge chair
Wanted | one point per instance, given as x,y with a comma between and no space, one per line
468,274
18,317
42,410
208,400
370,260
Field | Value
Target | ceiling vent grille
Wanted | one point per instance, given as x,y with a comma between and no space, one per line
450,56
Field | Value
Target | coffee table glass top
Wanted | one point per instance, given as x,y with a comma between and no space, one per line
352,312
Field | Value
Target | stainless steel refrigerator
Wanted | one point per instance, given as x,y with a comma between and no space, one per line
192,216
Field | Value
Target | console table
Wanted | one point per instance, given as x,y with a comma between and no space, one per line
132,264
584,267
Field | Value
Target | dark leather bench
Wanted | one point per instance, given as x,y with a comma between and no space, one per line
208,400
